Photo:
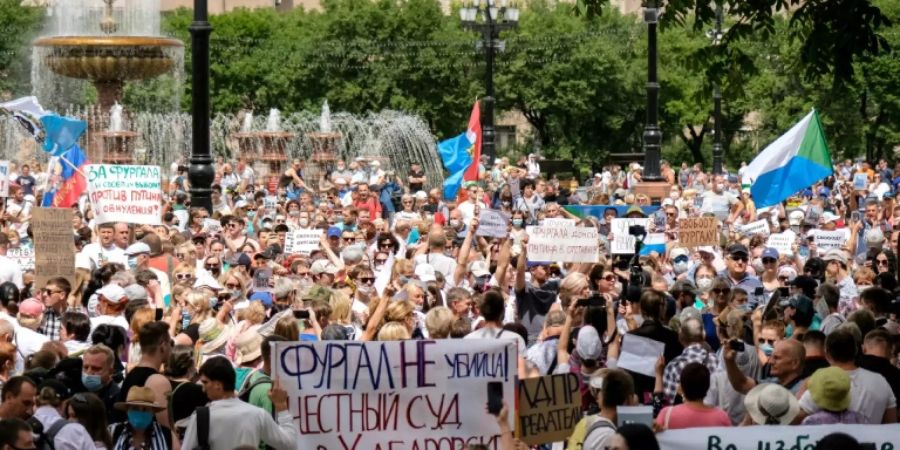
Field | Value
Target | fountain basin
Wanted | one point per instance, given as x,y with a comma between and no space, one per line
109,58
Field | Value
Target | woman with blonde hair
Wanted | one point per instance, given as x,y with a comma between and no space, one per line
236,283
141,317
402,311
439,321
394,331
573,287
249,317
185,274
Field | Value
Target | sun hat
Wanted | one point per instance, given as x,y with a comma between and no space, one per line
771,403
830,389
249,345
139,397
135,292
322,266
213,334
835,254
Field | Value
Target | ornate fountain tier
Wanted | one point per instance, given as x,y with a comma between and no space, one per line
108,61
265,146
324,146
117,146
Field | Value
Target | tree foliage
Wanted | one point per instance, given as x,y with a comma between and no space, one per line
19,24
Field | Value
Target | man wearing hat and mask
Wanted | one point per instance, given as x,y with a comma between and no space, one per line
111,306
836,267
735,273
139,259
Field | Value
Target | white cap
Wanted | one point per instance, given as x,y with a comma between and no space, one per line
137,248
425,272
421,195
795,217
668,202
113,293
479,268
240,204
598,175
678,251
829,216
375,163
323,266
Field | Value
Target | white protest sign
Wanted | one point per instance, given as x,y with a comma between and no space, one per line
270,206
860,181
565,244
885,437
4,178
125,193
639,354
22,256
212,226
781,242
758,227
395,394
302,241
559,222
623,243
826,240
492,223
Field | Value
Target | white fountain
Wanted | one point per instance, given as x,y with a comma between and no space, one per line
247,125
115,118
273,122
325,118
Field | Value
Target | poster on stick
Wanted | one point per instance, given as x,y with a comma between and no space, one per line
698,231
623,242
125,193
302,242
760,227
549,408
781,242
879,437
492,223
395,394
54,247
564,244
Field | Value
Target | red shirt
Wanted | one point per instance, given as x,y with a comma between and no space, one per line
371,205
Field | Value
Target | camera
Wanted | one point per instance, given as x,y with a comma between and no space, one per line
737,345
637,231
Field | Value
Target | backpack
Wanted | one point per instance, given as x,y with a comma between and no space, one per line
248,387
46,438
202,428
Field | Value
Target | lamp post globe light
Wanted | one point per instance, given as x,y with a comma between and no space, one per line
489,17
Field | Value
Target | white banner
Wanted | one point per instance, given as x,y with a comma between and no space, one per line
492,223
773,437
758,227
22,256
399,395
564,244
302,241
623,243
125,193
826,240
781,242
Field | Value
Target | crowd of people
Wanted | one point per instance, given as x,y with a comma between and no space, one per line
162,337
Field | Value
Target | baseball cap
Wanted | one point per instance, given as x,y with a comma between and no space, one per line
479,268
737,249
31,307
425,272
874,237
137,248
588,343
795,217
769,252
801,303
334,232
806,283
678,251
683,286
264,297
241,259
835,254
828,217
322,266
113,293
135,292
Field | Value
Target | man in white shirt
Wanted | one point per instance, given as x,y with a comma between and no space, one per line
435,256
9,269
234,423
106,250
111,306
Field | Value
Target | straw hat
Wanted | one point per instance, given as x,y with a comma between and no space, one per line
249,345
213,335
770,402
139,397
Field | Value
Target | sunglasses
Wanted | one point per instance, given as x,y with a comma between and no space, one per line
739,258
881,262
350,239
611,278
50,291
381,261
367,280
721,291
183,276
769,260
211,267
385,245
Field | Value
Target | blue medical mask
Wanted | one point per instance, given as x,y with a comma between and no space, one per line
140,420
132,263
517,223
767,348
93,383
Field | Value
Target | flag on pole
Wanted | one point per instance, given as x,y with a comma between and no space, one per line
461,153
72,182
795,161
28,112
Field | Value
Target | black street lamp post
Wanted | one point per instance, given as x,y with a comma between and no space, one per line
652,133
200,172
494,20
717,101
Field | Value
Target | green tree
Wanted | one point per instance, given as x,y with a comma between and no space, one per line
19,24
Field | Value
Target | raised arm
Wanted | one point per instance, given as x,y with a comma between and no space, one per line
520,266
462,261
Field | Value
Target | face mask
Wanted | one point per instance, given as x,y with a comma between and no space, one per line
140,420
418,308
294,213
303,222
720,186
93,383
680,267
517,223
364,289
767,348
704,284
132,263
758,265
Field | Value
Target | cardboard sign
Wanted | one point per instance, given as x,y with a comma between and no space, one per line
124,193
54,247
395,394
492,223
302,242
860,181
883,437
826,240
4,178
623,243
22,256
698,231
261,280
565,244
781,242
549,408
758,227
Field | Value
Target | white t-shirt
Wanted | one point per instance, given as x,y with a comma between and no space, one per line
441,263
870,395
599,439
27,343
111,320
98,255
499,333
10,271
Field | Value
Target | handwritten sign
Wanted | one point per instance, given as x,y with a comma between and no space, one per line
860,181
492,223
54,247
4,178
883,437
813,215
826,240
623,243
566,244
22,256
759,227
781,242
125,193
302,242
549,408
395,394
698,231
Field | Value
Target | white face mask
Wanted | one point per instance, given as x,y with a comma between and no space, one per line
704,284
